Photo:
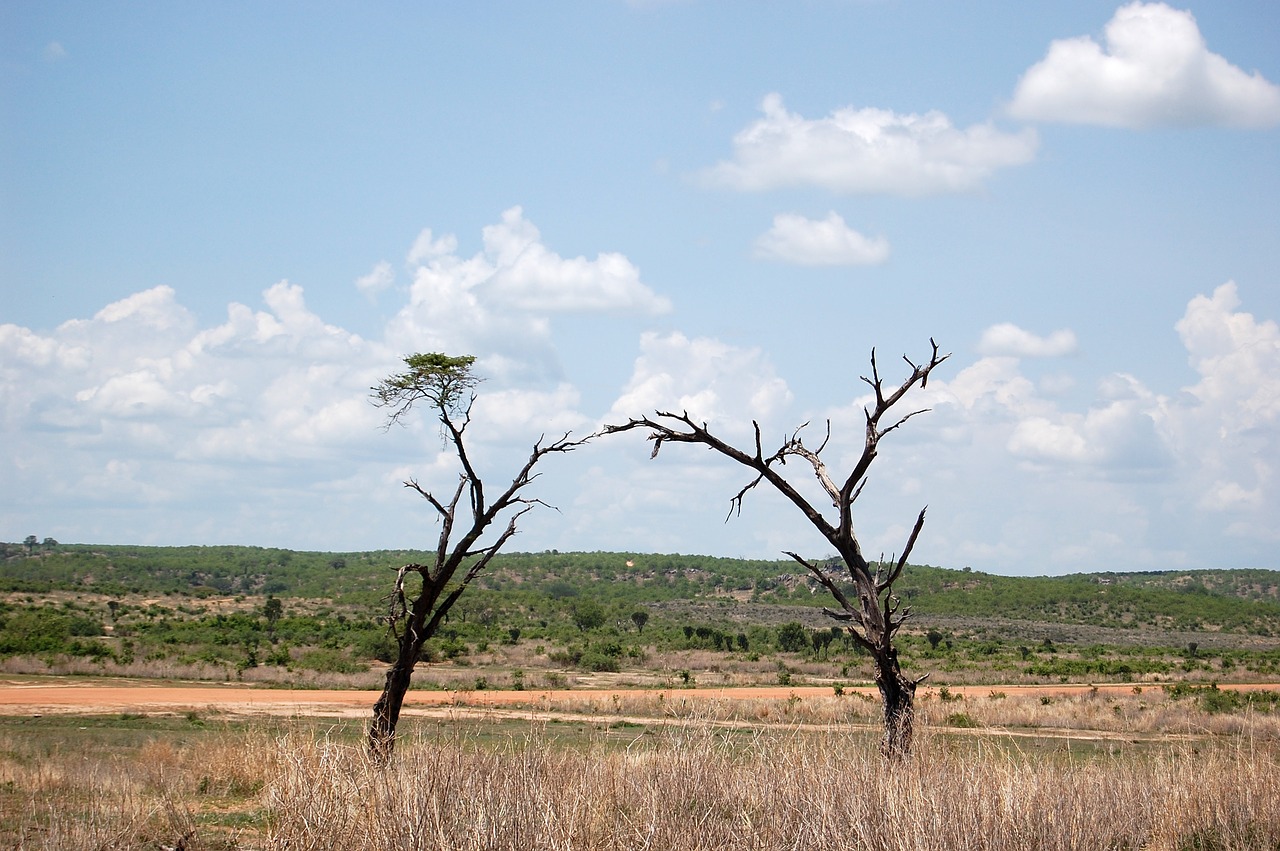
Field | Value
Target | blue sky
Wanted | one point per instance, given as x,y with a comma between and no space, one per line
221,223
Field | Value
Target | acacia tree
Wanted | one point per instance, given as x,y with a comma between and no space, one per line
869,609
446,385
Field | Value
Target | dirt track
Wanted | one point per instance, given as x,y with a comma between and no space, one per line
30,697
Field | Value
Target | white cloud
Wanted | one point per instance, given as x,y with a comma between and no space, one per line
139,393
714,382
448,311
828,242
156,309
498,303
1038,437
1154,69
259,428
1116,440
1237,358
528,276
992,383
520,415
427,246
54,52
380,278
1008,340
1171,475
868,151
1228,422
1228,496
122,480
144,358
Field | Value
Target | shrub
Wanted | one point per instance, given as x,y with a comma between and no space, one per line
594,660
792,638
327,661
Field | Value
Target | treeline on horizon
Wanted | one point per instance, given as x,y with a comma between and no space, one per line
532,619
1229,600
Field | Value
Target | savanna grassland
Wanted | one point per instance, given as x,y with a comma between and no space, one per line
1165,754
1147,769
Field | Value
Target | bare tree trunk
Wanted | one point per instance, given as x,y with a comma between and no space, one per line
386,712
898,694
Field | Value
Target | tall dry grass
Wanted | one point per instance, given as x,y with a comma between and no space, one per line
1149,712
686,785
150,798
694,788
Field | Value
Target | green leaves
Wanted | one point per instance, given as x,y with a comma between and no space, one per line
438,379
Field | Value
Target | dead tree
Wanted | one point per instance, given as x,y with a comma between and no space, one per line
868,607
415,613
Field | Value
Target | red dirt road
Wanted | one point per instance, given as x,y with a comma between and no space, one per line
32,697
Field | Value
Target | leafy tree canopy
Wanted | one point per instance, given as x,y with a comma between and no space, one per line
440,379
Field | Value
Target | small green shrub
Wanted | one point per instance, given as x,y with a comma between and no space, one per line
326,661
594,660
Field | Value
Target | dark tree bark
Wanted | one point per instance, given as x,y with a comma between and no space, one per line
416,613
871,613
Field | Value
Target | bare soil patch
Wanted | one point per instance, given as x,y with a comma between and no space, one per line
30,696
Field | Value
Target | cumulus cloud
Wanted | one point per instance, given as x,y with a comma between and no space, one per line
1039,437
143,424
380,278
1008,340
1117,439
428,246
860,151
1236,356
1229,420
1119,434
144,357
992,383
1166,473
529,276
499,302
827,242
1153,69
155,309
258,427
519,414
713,381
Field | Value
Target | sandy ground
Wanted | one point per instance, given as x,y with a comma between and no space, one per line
49,696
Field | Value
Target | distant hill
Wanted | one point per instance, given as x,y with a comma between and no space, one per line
285,617
1239,602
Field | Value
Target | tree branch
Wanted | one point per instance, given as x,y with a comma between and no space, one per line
887,583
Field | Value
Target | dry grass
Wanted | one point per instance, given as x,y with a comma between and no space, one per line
695,789
1146,713
799,776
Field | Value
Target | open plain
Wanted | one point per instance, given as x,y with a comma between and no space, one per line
88,763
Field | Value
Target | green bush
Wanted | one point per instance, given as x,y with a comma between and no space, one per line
1213,700
375,645
326,661
793,638
46,631
594,660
